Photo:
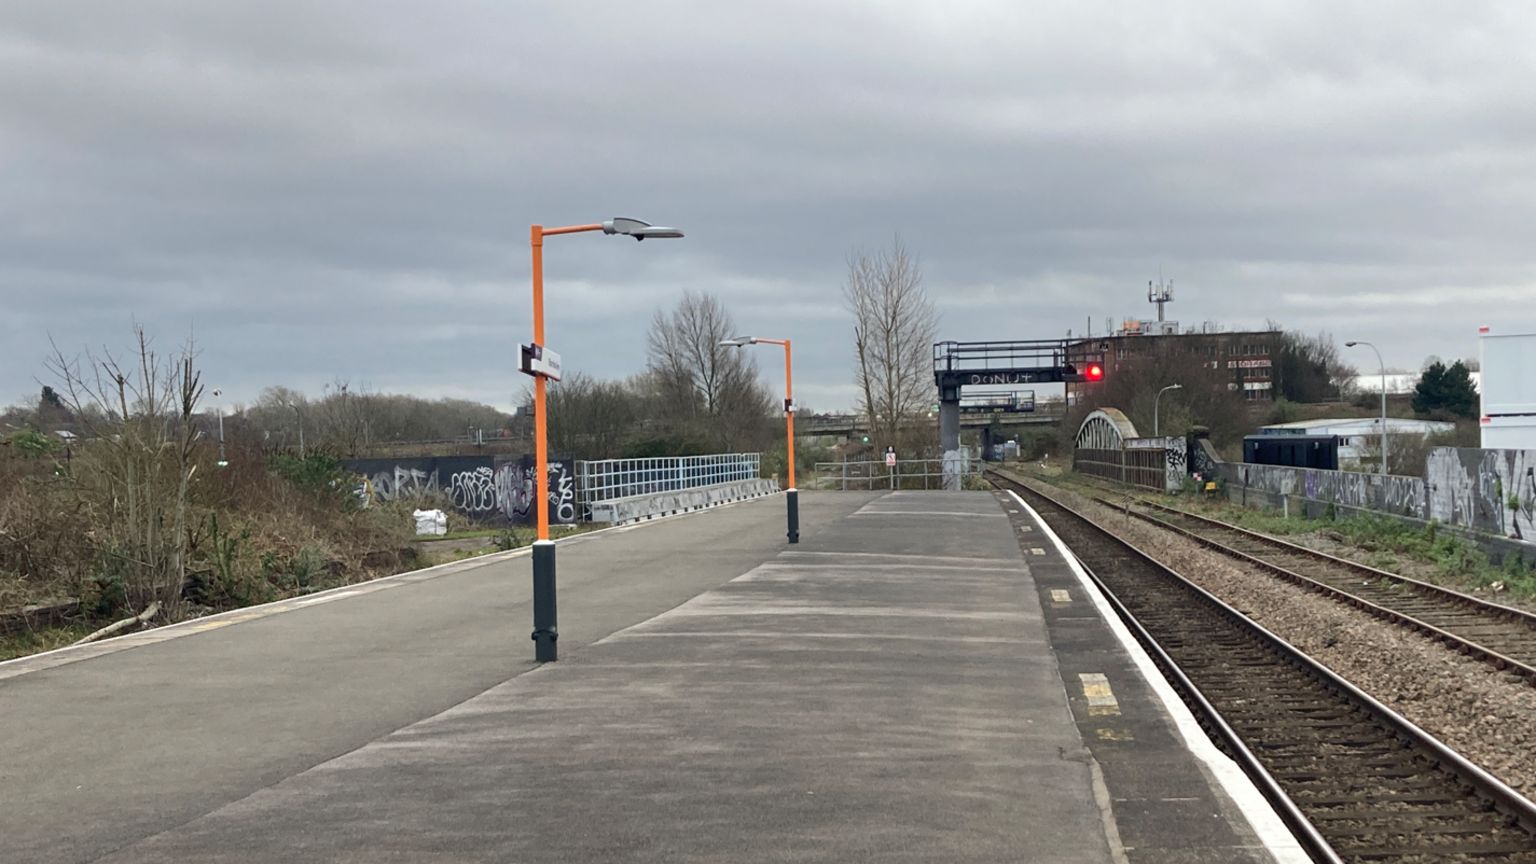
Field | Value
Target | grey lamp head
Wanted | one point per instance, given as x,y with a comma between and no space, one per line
637,229
738,341
1350,344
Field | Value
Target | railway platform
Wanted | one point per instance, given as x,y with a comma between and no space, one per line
922,678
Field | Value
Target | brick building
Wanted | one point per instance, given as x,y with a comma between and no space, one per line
1250,357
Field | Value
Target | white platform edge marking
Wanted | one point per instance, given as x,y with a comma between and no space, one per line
1261,816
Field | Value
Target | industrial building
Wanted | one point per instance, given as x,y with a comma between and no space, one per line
1247,356
1358,435
1508,399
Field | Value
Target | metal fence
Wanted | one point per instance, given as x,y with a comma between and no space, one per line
609,479
1143,467
907,474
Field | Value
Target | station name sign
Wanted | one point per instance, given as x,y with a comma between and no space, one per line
983,378
540,362
1001,408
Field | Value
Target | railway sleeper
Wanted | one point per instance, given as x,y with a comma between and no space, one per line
1458,848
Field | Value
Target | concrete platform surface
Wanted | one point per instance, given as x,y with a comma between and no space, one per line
882,693
885,691
100,750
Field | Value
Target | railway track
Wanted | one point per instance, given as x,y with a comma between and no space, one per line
1355,780
1500,635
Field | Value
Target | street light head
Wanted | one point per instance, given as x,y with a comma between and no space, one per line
731,343
638,230
1350,344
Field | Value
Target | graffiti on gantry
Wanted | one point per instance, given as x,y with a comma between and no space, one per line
479,486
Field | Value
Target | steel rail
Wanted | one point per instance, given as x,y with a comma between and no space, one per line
1505,799
1461,643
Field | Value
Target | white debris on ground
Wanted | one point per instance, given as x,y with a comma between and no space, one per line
430,522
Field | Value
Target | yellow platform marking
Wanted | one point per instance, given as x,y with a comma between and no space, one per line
1113,735
1060,595
1036,550
1101,699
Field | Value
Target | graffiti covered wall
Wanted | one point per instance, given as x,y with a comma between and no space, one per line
1393,494
1174,458
1488,490
1203,458
483,487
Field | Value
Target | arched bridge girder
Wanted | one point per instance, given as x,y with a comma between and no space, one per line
1104,429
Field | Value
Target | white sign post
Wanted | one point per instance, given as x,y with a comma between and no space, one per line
890,463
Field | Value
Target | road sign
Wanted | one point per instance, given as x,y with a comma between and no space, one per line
540,362
890,457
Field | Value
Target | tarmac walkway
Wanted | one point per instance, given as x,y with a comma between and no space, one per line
885,691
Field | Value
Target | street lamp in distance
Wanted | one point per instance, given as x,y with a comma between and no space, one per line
300,415
1383,367
791,494
1156,405
219,406
544,365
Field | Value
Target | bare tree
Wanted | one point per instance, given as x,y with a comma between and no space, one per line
716,387
343,418
136,463
591,419
894,328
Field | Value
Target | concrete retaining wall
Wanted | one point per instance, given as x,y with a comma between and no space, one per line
1491,491
641,507
1487,490
486,487
1403,496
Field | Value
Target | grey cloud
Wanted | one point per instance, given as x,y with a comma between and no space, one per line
344,188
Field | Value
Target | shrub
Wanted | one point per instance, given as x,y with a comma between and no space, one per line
33,444
319,475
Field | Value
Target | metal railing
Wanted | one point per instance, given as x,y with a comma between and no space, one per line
609,479
907,474
1143,467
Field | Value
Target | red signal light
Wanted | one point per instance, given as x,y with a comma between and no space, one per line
1095,372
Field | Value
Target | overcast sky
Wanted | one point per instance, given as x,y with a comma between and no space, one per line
322,190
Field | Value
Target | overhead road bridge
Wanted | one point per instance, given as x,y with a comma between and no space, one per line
1047,414
958,365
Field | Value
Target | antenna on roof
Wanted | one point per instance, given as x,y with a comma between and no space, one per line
1160,293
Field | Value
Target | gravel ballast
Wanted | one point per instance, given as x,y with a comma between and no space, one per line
1479,711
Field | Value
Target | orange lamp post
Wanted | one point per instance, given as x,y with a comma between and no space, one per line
791,494
544,365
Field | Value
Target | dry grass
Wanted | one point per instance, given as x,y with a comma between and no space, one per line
37,641
252,535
